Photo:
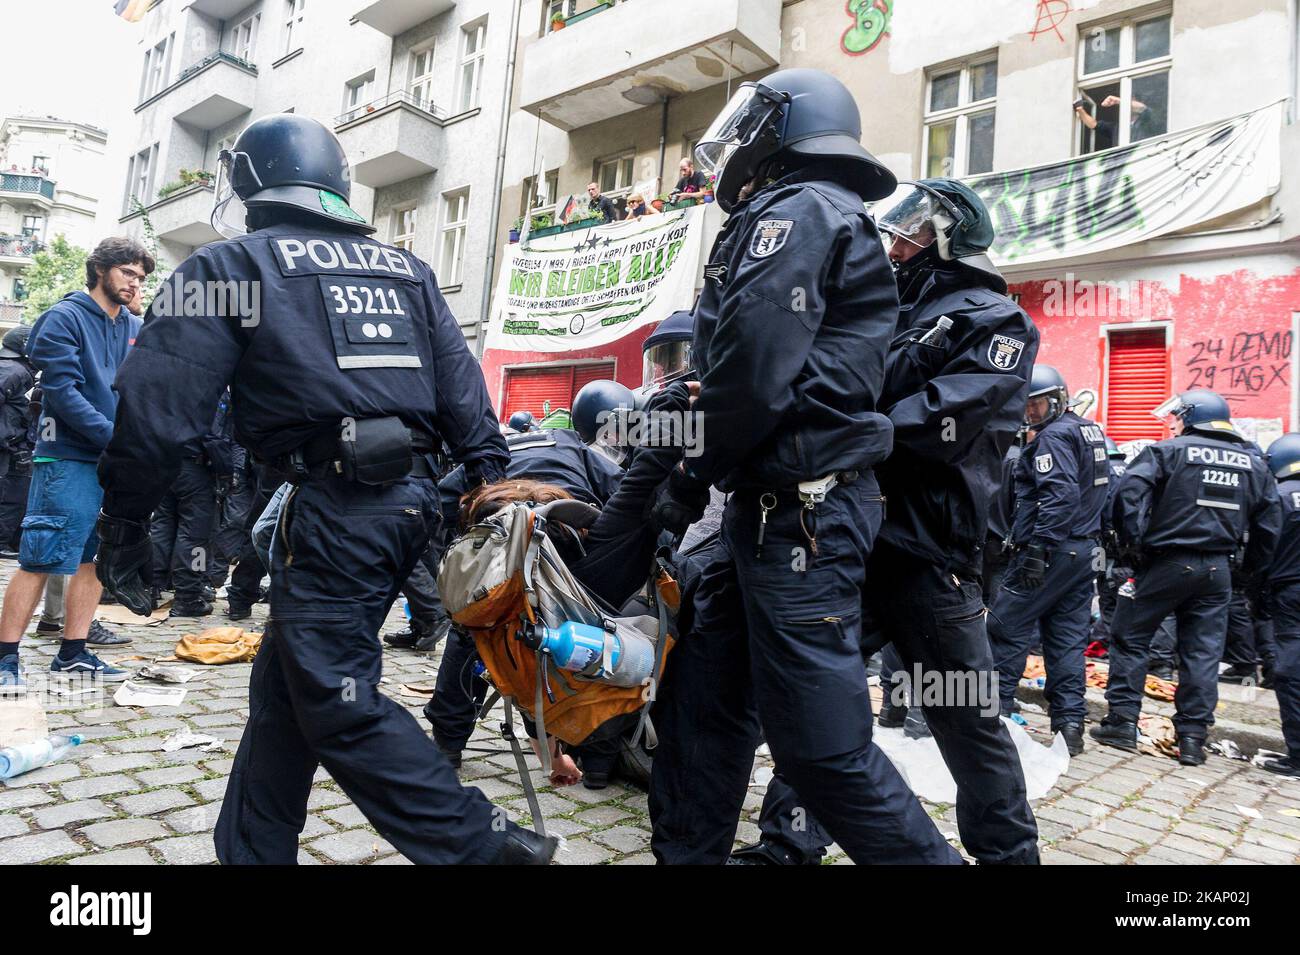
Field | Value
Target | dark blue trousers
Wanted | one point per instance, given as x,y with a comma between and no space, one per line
1196,588
340,553
1286,673
777,634
1059,611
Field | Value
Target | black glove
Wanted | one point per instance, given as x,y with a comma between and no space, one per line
1033,567
680,503
124,563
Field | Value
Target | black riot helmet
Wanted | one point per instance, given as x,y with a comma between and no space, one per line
593,404
1199,410
288,161
1046,382
1113,449
947,220
666,352
1284,456
14,344
797,117
523,421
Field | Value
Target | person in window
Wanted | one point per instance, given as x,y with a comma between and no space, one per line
637,207
603,204
691,185
1143,122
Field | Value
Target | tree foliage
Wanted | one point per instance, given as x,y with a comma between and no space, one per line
55,271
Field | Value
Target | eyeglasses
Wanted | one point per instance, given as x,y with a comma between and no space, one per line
131,275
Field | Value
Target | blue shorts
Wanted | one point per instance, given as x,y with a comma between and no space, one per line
62,507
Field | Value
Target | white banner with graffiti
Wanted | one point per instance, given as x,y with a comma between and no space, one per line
589,287
1120,196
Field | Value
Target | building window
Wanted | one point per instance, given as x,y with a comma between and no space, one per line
614,175
543,196
20,290
140,176
421,84
357,92
473,42
960,113
157,67
1123,81
32,226
563,8
404,228
41,164
293,24
243,38
451,254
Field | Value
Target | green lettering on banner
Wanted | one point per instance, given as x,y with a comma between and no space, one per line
554,284
575,276
518,282
611,273
534,285
673,248
634,270
588,279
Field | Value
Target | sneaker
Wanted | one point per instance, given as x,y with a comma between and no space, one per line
48,628
86,664
7,554
11,675
100,636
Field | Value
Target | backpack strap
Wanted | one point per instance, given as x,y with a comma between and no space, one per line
661,649
539,718
525,777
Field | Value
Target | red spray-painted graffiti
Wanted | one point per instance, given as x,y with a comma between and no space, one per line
1051,14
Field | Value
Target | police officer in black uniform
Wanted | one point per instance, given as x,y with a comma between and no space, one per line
1279,598
1113,576
1061,480
956,379
344,380
1185,505
791,333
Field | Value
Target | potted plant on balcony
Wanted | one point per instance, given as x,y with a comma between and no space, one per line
659,201
557,21
514,229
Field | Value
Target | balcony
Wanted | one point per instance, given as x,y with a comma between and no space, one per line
11,313
397,16
219,9
183,217
614,60
391,139
27,186
210,93
19,249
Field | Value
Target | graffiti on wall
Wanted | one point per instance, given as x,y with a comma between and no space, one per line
1050,15
870,25
1243,363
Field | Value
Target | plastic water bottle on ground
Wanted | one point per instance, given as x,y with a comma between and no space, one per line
16,760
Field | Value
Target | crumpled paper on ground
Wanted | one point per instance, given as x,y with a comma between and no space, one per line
182,739
166,673
131,693
1157,737
219,645
922,767
1096,676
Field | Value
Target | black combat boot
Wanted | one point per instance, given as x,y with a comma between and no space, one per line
1191,750
1073,733
1119,734
525,847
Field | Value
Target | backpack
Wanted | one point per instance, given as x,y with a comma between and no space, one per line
503,579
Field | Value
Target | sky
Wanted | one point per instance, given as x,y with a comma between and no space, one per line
77,60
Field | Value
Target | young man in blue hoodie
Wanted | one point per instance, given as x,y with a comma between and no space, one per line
77,345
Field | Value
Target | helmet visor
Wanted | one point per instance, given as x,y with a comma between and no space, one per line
665,362
1172,405
738,124
228,210
909,213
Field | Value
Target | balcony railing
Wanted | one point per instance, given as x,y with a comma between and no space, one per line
20,246
577,17
211,58
393,98
33,183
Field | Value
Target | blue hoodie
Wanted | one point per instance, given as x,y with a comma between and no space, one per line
77,349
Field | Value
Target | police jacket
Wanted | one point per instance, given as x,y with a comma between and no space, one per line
1285,569
1061,480
553,456
1199,491
16,380
955,405
309,325
1116,468
791,330
1004,499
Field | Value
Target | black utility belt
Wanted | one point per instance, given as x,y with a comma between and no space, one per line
374,451
796,493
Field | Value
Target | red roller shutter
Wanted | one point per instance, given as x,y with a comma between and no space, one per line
530,389
1137,380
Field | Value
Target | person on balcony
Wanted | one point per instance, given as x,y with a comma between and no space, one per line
637,206
691,185
602,204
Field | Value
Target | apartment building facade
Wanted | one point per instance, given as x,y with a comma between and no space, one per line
413,89
49,186
1139,286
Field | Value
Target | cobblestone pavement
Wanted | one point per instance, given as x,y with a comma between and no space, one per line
120,799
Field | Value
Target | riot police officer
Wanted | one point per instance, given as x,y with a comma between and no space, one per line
1112,576
1060,480
791,332
1279,598
956,378
1184,506
347,370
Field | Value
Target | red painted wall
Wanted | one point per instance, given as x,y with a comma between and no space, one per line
625,353
1231,332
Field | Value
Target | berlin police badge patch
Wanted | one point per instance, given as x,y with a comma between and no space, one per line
1004,352
769,237
1043,462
